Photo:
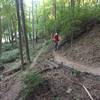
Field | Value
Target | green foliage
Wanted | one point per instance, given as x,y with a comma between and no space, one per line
8,19
75,73
8,46
56,98
31,82
48,42
68,20
9,56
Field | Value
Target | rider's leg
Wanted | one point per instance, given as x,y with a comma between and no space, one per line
56,46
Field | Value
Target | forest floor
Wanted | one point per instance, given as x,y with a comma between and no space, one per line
81,64
64,82
10,83
86,49
76,65
65,72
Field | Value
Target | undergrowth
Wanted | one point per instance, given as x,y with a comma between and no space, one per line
31,83
9,56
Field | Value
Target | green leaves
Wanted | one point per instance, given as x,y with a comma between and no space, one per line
31,81
9,56
65,22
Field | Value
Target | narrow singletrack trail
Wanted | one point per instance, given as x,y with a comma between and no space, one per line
38,55
59,58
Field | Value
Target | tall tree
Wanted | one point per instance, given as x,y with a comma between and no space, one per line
33,21
0,35
19,30
29,23
24,30
54,11
72,4
44,17
0,32
36,22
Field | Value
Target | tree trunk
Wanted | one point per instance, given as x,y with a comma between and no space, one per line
33,22
19,30
54,12
24,31
36,24
78,3
0,43
0,36
15,35
72,19
5,39
14,30
29,23
83,2
44,18
12,37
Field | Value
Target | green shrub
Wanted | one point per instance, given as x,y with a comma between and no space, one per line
65,16
31,82
69,21
9,56
38,47
8,46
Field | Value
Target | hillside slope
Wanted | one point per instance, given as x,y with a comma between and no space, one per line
86,49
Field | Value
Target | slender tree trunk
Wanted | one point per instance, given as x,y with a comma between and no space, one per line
9,35
24,31
78,2
14,29
5,38
9,38
12,37
83,2
72,18
29,23
98,1
36,24
0,36
54,12
15,35
44,18
33,22
19,30
10,29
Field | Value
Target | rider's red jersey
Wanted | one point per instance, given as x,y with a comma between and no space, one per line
56,38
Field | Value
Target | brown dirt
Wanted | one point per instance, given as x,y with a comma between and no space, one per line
86,49
10,83
10,87
64,81
76,65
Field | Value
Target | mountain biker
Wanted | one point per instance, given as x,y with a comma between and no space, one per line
56,39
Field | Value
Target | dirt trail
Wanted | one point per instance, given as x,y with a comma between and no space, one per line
13,93
60,80
10,87
36,58
83,68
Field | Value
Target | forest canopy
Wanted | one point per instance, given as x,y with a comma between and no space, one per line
62,16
